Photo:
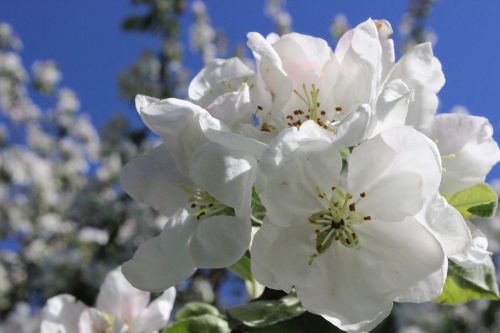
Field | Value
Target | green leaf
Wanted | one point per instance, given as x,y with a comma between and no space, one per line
479,200
243,269
465,284
266,313
206,323
195,309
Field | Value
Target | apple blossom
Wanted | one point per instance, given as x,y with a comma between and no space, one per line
352,246
119,308
213,232
468,149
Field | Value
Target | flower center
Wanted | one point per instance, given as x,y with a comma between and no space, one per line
313,110
203,204
337,220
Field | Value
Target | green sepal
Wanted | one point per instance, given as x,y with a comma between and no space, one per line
206,323
195,309
243,270
464,284
266,313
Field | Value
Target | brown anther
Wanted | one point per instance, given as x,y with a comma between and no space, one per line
296,112
348,241
301,112
210,205
308,117
289,117
259,107
352,207
290,124
354,235
317,104
338,109
323,113
362,194
316,231
193,205
367,218
333,188
265,127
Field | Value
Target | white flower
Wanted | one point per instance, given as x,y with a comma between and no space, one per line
119,308
214,233
467,147
46,74
300,78
349,247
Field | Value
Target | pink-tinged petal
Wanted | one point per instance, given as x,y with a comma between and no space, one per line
157,314
359,55
119,298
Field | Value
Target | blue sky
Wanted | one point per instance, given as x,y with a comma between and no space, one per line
84,37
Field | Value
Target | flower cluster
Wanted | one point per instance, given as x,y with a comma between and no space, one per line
339,161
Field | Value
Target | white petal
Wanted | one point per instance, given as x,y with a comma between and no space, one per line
228,175
165,260
93,320
216,78
477,253
61,314
352,130
157,313
447,225
421,71
263,267
270,68
119,298
231,107
294,167
359,54
153,178
354,288
288,141
391,108
181,125
303,57
220,241
286,251
429,288
469,149
397,170
384,35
